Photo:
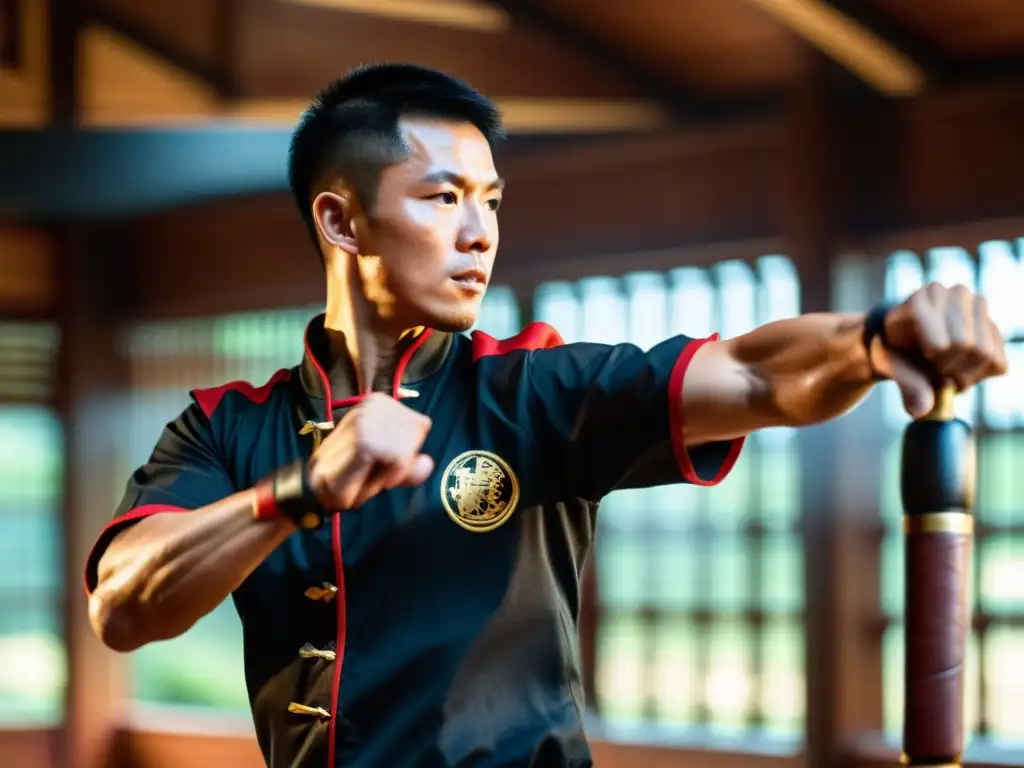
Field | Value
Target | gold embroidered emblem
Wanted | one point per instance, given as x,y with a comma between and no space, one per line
479,491
318,429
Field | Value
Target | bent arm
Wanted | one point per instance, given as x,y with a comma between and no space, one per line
160,576
795,372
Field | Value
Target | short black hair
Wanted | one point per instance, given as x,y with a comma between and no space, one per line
351,128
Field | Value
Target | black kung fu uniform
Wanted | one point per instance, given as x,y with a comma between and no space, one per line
434,626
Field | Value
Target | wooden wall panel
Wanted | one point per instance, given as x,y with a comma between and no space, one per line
31,749
27,270
591,204
290,50
962,157
190,27
123,84
25,92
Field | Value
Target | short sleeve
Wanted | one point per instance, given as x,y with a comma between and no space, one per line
183,473
594,418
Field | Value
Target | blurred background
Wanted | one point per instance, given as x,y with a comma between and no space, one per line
675,166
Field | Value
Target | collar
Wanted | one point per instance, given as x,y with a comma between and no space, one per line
422,357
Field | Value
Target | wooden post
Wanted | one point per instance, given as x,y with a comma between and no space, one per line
92,381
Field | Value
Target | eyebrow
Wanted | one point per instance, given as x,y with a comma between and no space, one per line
449,177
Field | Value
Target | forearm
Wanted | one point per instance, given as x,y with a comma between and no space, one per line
163,574
794,372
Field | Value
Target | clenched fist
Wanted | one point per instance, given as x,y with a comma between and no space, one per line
937,335
375,446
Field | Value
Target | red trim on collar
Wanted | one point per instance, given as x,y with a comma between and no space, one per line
533,336
345,402
208,399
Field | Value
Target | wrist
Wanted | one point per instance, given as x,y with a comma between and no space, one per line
287,494
874,335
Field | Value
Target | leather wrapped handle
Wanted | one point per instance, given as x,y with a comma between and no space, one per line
937,488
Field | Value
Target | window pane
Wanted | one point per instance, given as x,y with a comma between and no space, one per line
1000,479
622,569
499,313
1003,398
779,289
1001,561
729,562
693,303
730,682
784,694
648,314
730,503
779,473
203,667
1001,280
676,686
620,666
737,298
675,560
893,558
32,665
604,311
557,305
1004,680
892,500
782,573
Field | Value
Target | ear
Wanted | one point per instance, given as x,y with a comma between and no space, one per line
335,213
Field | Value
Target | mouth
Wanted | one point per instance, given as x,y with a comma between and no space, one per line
471,279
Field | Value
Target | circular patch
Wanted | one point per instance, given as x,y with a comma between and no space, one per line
479,491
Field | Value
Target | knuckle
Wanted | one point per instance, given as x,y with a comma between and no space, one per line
960,292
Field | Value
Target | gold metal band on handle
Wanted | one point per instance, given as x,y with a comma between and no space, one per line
939,522
904,760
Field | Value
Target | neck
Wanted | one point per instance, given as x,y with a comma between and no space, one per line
365,349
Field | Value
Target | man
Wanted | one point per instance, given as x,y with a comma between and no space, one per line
402,519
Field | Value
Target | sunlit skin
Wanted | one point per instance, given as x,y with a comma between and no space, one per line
422,256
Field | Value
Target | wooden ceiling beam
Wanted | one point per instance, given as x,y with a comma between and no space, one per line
289,50
683,104
850,39
213,70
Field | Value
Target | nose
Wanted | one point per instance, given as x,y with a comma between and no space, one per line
475,235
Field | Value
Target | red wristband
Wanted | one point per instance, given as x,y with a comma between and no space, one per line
264,503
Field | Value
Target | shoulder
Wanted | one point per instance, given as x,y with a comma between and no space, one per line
235,395
533,337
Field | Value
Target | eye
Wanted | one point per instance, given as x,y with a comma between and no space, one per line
494,204
446,198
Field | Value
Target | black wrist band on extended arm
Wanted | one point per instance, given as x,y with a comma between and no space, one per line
287,493
874,327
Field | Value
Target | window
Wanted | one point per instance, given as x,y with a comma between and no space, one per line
700,627
32,664
995,678
203,667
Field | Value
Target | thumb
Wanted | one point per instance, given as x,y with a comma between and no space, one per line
419,470
915,387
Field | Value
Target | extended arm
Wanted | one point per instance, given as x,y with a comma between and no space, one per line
159,577
813,368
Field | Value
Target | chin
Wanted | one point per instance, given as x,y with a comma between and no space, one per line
448,316
452,324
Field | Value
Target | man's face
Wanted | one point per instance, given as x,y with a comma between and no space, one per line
428,246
